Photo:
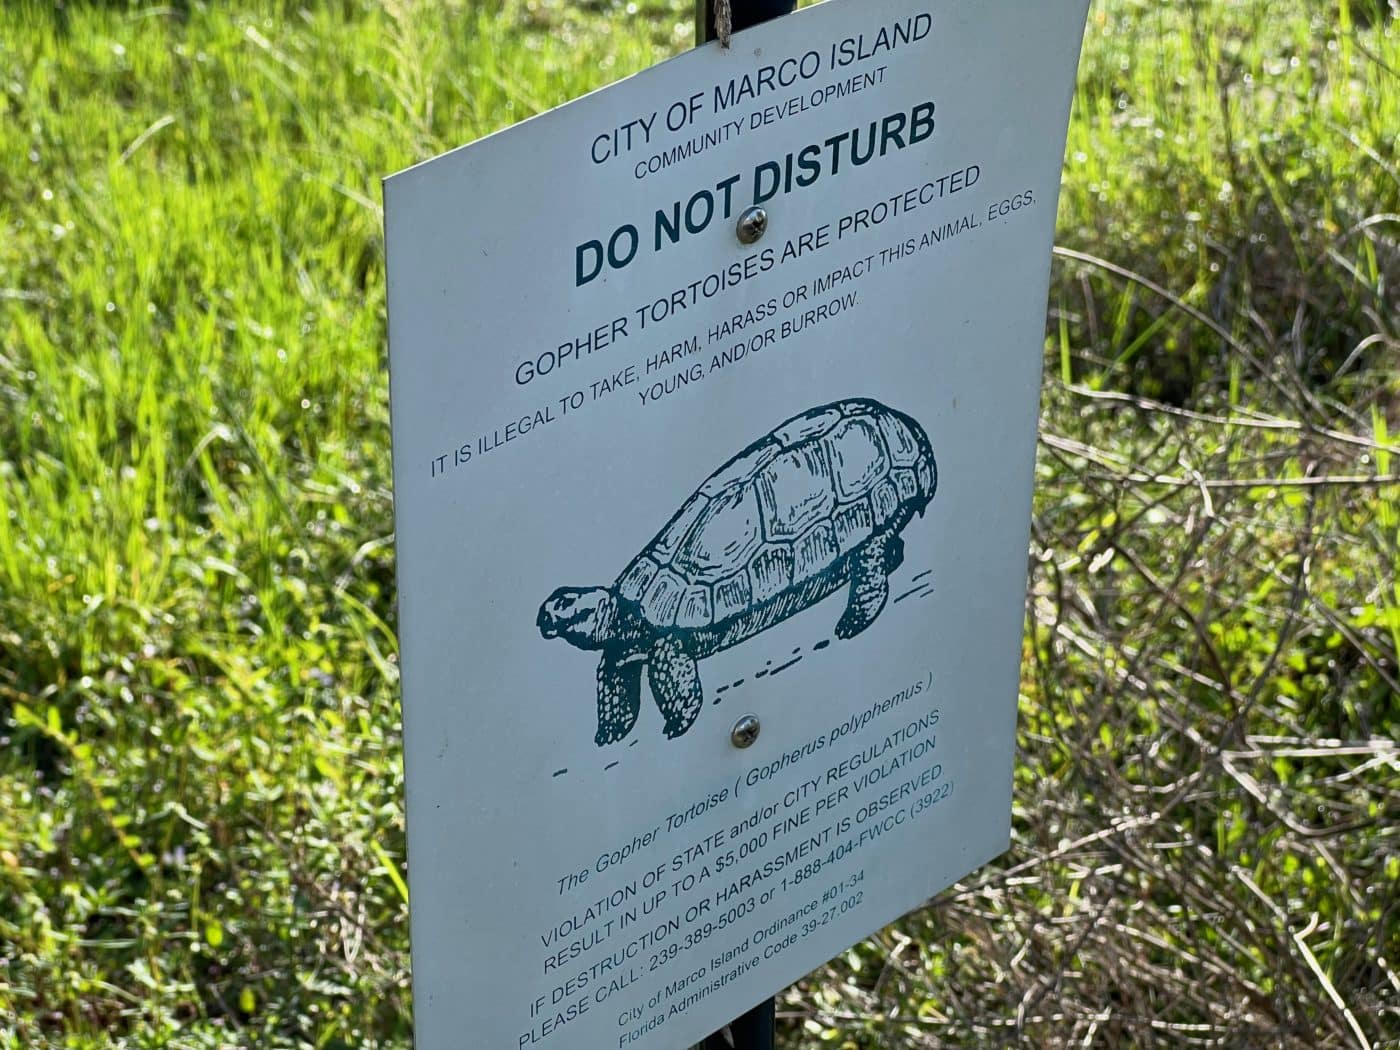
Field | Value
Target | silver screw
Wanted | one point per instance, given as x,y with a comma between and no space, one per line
753,224
745,732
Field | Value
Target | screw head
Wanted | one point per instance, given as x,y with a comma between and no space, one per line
745,732
753,224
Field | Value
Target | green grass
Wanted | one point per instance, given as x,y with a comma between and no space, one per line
201,826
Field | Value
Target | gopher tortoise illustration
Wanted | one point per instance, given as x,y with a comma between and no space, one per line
817,505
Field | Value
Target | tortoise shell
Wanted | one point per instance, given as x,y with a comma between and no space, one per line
783,511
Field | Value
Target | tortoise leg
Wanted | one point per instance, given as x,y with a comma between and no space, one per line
870,588
619,698
675,682
894,554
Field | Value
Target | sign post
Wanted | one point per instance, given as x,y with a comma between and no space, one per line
757,1029
714,404
743,13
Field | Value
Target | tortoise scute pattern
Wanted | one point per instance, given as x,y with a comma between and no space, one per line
663,598
637,579
854,525
906,484
741,468
814,551
858,458
695,608
903,449
780,514
806,426
664,547
771,572
795,493
727,535
733,596
884,498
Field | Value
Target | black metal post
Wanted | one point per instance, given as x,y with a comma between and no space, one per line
755,1030
745,13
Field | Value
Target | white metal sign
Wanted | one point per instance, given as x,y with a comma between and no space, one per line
652,480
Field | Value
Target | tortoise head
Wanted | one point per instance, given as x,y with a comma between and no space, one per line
582,616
